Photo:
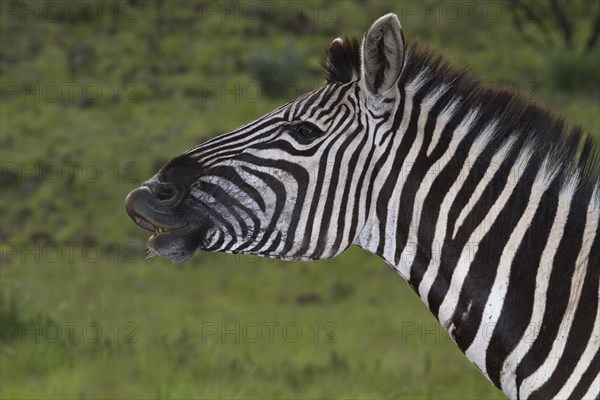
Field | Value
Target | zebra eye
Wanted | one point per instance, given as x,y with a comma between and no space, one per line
307,130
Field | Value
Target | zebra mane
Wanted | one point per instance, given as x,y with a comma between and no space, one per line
568,146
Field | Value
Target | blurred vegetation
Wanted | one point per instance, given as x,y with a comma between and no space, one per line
573,70
276,71
568,33
96,96
571,25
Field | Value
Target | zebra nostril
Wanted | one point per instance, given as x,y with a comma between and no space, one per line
164,192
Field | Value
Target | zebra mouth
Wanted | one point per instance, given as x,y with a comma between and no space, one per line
175,243
151,226
175,235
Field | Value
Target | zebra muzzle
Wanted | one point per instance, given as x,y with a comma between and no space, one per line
177,230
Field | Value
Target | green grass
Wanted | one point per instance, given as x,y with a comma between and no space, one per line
154,68
373,340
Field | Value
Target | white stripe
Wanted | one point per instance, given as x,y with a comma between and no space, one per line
448,306
365,237
478,349
389,251
357,195
323,198
585,360
442,223
409,253
489,175
445,116
508,377
342,176
238,135
541,375
369,238
594,390
313,171
593,344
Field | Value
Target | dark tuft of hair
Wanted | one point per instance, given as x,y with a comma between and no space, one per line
342,61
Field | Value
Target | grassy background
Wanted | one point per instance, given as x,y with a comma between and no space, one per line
96,96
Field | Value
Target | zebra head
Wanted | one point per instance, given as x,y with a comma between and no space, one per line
292,184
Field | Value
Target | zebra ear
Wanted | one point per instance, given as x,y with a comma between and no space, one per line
383,54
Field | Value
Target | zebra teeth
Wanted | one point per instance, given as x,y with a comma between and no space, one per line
158,229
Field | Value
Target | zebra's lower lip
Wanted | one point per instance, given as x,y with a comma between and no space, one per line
178,245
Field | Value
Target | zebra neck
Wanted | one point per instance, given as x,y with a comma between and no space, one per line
434,204
424,165
478,220
480,201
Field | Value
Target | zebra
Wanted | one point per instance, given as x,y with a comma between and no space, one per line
487,204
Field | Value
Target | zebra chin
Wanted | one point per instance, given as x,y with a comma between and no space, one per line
178,245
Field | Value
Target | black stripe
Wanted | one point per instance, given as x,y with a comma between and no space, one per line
280,200
302,106
354,220
300,176
314,202
386,153
269,251
587,378
421,166
516,311
581,330
476,175
559,287
245,137
229,203
285,145
433,201
480,278
329,198
217,245
386,191
343,217
452,248
237,180
323,109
